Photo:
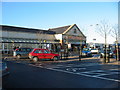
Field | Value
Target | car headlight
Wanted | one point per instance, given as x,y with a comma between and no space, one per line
83,53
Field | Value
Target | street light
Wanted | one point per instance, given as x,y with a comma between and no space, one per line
80,51
94,42
117,51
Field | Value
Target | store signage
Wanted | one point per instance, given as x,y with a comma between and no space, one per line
76,38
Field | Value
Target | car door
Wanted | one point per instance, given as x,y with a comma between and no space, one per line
47,54
28,50
39,54
23,52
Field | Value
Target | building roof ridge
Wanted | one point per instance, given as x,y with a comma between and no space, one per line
21,27
59,27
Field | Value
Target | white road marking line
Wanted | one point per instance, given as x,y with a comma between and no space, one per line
114,69
101,75
59,65
68,66
84,75
78,74
98,71
74,69
71,65
113,73
87,75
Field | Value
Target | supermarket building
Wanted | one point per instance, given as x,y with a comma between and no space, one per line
53,38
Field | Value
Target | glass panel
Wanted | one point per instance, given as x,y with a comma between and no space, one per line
46,51
38,51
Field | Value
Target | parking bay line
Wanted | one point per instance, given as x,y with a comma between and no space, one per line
78,73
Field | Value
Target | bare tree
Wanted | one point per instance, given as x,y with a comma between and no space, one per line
114,32
104,29
44,39
115,35
40,37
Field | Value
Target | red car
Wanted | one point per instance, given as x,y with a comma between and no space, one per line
38,53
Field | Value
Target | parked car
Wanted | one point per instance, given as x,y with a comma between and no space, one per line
38,54
102,53
22,52
3,68
86,52
94,51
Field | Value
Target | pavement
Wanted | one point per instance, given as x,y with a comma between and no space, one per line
113,61
76,58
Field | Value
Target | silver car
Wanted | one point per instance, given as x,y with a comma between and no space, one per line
102,54
22,52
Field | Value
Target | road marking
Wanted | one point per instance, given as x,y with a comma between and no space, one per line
84,75
114,69
95,76
74,69
94,71
99,72
59,65
73,65
101,75
87,75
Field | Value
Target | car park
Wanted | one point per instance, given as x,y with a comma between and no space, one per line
38,54
22,52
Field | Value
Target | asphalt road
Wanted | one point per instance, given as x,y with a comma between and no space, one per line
61,75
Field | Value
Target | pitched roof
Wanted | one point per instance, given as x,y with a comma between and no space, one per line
22,29
59,30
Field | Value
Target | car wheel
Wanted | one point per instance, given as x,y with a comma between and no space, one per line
35,59
55,58
18,56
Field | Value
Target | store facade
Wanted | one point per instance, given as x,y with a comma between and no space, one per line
12,36
71,36
54,39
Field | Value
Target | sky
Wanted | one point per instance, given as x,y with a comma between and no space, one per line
45,15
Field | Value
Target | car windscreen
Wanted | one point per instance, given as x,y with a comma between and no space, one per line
85,49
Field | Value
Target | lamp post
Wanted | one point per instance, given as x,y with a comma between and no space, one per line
117,51
94,42
80,51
